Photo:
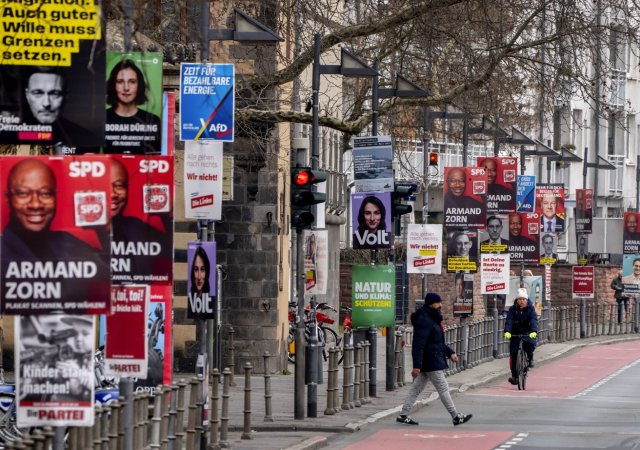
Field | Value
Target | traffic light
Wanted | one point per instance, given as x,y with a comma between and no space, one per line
433,158
303,197
400,192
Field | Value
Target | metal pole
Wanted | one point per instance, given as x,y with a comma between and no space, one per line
375,100
638,184
315,86
465,140
496,150
596,109
126,391
583,310
522,170
425,173
299,388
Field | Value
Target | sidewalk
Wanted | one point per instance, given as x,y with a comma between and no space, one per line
287,433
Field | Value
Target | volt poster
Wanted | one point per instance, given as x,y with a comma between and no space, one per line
203,179
207,102
373,296
201,281
424,248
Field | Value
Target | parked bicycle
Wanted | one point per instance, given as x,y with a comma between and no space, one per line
313,317
347,331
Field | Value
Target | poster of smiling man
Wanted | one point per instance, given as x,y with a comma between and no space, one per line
501,183
524,234
371,220
550,206
464,197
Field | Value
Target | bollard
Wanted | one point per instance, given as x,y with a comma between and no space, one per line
246,433
356,375
179,423
232,356
126,393
199,426
155,426
366,352
268,417
330,410
224,418
403,367
336,388
346,380
363,375
165,398
96,429
214,420
171,425
38,439
192,413
113,424
104,424
397,358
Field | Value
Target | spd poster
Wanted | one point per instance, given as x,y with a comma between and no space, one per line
52,66
54,249
501,183
584,211
630,233
524,234
424,248
373,296
464,197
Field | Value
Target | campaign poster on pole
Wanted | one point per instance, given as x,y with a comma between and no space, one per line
463,294
207,102
201,280
126,338
464,197
524,237
494,274
550,206
526,193
371,220
533,285
582,281
583,248
373,296
630,233
203,176
142,219
424,248
631,274
54,250
55,378
494,239
316,261
548,248
53,52
134,103
373,164
462,250
584,211
501,183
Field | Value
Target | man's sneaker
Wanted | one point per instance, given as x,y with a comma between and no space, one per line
462,418
406,419
513,380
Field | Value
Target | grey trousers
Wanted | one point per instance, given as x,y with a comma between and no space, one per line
439,382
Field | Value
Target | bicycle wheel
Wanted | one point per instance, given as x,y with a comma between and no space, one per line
521,367
330,340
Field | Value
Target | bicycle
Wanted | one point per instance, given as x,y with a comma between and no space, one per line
327,337
522,363
347,330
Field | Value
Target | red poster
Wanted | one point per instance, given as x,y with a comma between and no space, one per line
584,210
524,233
583,281
630,233
502,175
464,197
55,254
126,342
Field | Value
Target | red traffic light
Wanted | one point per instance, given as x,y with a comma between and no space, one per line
433,158
301,178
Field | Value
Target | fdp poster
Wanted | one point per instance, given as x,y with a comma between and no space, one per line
54,244
203,176
316,261
373,164
134,103
550,206
424,248
201,280
464,197
207,102
501,183
126,352
52,75
371,220
373,296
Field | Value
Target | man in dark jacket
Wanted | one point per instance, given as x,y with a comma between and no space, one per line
430,354
521,320
617,285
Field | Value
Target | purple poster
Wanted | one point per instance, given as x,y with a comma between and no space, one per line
371,220
201,281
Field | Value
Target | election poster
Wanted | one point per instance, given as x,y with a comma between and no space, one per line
54,250
630,233
533,285
550,206
373,296
583,248
501,183
631,274
584,211
548,248
316,261
463,294
424,248
134,103
201,280
126,341
54,373
52,75
142,219
464,197
582,281
494,239
373,164
524,237
526,193
203,176
371,220
207,102
462,251
494,274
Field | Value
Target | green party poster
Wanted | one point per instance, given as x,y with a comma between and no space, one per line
373,296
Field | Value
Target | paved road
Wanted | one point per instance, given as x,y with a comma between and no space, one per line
586,400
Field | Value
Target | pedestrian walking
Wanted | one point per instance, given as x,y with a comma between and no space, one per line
430,353
617,286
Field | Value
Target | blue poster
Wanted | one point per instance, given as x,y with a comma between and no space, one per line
526,193
207,102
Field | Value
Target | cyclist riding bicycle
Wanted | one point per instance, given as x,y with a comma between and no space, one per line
521,320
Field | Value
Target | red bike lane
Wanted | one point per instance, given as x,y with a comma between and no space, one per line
413,439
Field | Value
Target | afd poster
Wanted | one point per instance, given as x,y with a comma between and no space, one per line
373,295
203,178
134,103
373,164
126,352
52,75
207,102
501,183
424,248
54,246
371,220
201,280
526,193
